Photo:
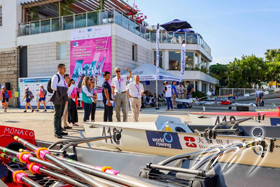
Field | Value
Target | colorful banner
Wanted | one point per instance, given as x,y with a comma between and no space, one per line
90,53
33,84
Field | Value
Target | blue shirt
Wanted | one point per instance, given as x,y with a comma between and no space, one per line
174,88
107,86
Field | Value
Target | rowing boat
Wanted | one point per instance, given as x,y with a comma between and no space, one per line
261,118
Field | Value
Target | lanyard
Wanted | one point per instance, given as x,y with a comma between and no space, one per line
137,87
120,80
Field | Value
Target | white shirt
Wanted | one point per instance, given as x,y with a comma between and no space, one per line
119,84
168,92
55,83
135,90
70,90
181,89
85,90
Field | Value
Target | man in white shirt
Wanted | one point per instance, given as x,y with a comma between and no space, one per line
136,90
181,91
168,94
58,84
119,91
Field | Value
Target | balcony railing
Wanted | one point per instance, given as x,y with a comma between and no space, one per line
89,19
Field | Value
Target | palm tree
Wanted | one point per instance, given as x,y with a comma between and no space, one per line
271,54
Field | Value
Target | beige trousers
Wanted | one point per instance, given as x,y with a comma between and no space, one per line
121,101
64,117
181,96
135,104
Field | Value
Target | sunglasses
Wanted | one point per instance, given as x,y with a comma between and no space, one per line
73,82
118,71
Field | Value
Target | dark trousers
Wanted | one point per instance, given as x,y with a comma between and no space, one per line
58,113
72,112
93,111
169,103
108,113
87,107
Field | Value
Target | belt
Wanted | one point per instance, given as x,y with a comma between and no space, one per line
136,98
121,92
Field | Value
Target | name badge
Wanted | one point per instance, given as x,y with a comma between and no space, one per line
119,90
139,96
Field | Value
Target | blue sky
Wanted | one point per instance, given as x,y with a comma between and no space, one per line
230,27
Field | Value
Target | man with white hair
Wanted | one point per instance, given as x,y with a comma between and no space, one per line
136,90
119,91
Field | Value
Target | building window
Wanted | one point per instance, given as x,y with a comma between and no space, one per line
160,58
62,51
174,60
134,52
189,60
0,15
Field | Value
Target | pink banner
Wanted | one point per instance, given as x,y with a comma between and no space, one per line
91,56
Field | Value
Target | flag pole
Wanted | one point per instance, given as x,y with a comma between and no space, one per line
157,64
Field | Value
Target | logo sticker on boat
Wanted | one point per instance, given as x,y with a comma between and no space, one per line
168,140
109,131
198,142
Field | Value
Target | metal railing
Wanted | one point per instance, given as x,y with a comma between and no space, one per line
109,16
241,91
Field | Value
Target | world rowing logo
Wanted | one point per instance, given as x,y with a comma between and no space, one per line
163,139
168,137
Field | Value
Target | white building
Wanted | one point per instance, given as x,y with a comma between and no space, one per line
34,48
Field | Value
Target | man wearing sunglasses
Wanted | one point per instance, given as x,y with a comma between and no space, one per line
119,91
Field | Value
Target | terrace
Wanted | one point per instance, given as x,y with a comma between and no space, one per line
115,15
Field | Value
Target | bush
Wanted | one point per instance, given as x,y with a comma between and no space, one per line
198,94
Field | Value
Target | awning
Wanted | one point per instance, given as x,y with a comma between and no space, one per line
80,6
147,72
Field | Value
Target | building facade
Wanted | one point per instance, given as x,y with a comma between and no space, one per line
34,48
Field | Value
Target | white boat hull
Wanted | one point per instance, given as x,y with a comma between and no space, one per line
204,119
172,143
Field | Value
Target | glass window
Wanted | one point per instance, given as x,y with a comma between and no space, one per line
174,60
0,16
61,51
160,58
189,60
134,52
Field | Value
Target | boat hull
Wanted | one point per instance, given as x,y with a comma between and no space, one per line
204,118
131,164
172,143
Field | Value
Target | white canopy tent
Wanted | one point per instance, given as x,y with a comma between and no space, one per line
147,72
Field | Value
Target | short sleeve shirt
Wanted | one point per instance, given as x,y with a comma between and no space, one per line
107,86
134,89
168,91
174,88
119,84
189,89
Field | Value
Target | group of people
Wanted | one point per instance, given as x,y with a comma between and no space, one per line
172,92
118,92
65,96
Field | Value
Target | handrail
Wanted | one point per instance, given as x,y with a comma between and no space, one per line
60,23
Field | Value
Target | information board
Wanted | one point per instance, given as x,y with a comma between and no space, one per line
33,84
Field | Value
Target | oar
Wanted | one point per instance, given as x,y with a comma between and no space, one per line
53,166
35,168
32,159
46,155
20,176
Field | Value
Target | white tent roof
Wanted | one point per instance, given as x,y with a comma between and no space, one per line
147,72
